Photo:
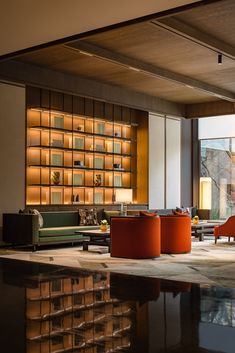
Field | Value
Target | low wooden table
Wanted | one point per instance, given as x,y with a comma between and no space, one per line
204,227
95,237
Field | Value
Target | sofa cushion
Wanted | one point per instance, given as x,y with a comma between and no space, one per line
60,219
109,214
63,231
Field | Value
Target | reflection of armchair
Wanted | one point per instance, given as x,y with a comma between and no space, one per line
135,237
225,230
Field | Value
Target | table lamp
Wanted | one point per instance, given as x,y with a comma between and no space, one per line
124,196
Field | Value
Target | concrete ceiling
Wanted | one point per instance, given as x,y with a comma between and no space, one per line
26,23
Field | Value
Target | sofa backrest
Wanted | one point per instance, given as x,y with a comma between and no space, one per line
60,219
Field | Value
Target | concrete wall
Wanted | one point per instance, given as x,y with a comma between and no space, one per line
12,148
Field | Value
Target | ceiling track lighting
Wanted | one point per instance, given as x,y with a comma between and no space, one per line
219,59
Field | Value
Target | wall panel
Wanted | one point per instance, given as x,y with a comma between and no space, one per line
12,148
173,170
156,161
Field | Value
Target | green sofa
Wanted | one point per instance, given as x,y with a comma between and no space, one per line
58,227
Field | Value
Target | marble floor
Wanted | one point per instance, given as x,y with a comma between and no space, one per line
207,264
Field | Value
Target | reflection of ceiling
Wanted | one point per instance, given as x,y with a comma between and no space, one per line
174,58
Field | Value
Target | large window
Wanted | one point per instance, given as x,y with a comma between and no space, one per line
217,182
217,165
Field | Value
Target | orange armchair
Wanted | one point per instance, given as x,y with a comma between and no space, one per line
226,229
175,234
135,237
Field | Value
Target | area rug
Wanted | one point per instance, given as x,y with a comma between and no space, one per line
207,264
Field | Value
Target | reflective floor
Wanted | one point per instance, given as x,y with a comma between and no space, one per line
47,308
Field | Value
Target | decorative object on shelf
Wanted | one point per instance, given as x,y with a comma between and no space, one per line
104,225
78,143
99,148
79,163
80,128
56,197
124,196
77,179
99,162
75,199
117,166
98,197
117,180
55,178
59,122
97,180
101,128
117,134
57,143
117,147
56,159
195,220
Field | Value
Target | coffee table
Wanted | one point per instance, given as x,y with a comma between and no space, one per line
204,227
95,237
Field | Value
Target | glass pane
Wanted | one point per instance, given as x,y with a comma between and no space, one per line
217,184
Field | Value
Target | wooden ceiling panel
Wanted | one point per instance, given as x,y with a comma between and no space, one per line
160,48
216,19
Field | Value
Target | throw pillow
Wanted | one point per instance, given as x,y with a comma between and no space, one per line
40,218
181,209
184,214
88,217
148,214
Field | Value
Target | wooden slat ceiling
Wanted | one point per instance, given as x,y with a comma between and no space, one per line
193,64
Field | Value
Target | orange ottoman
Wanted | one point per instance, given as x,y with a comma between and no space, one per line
175,234
135,237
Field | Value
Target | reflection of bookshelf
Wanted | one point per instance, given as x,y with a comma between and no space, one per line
78,138
73,312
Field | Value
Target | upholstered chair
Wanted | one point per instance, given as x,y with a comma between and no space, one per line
175,234
226,229
135,237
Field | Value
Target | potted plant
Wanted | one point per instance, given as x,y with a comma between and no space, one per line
103,225
195,220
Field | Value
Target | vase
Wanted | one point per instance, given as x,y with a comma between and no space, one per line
103,227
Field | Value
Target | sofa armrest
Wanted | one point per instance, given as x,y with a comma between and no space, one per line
20,228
